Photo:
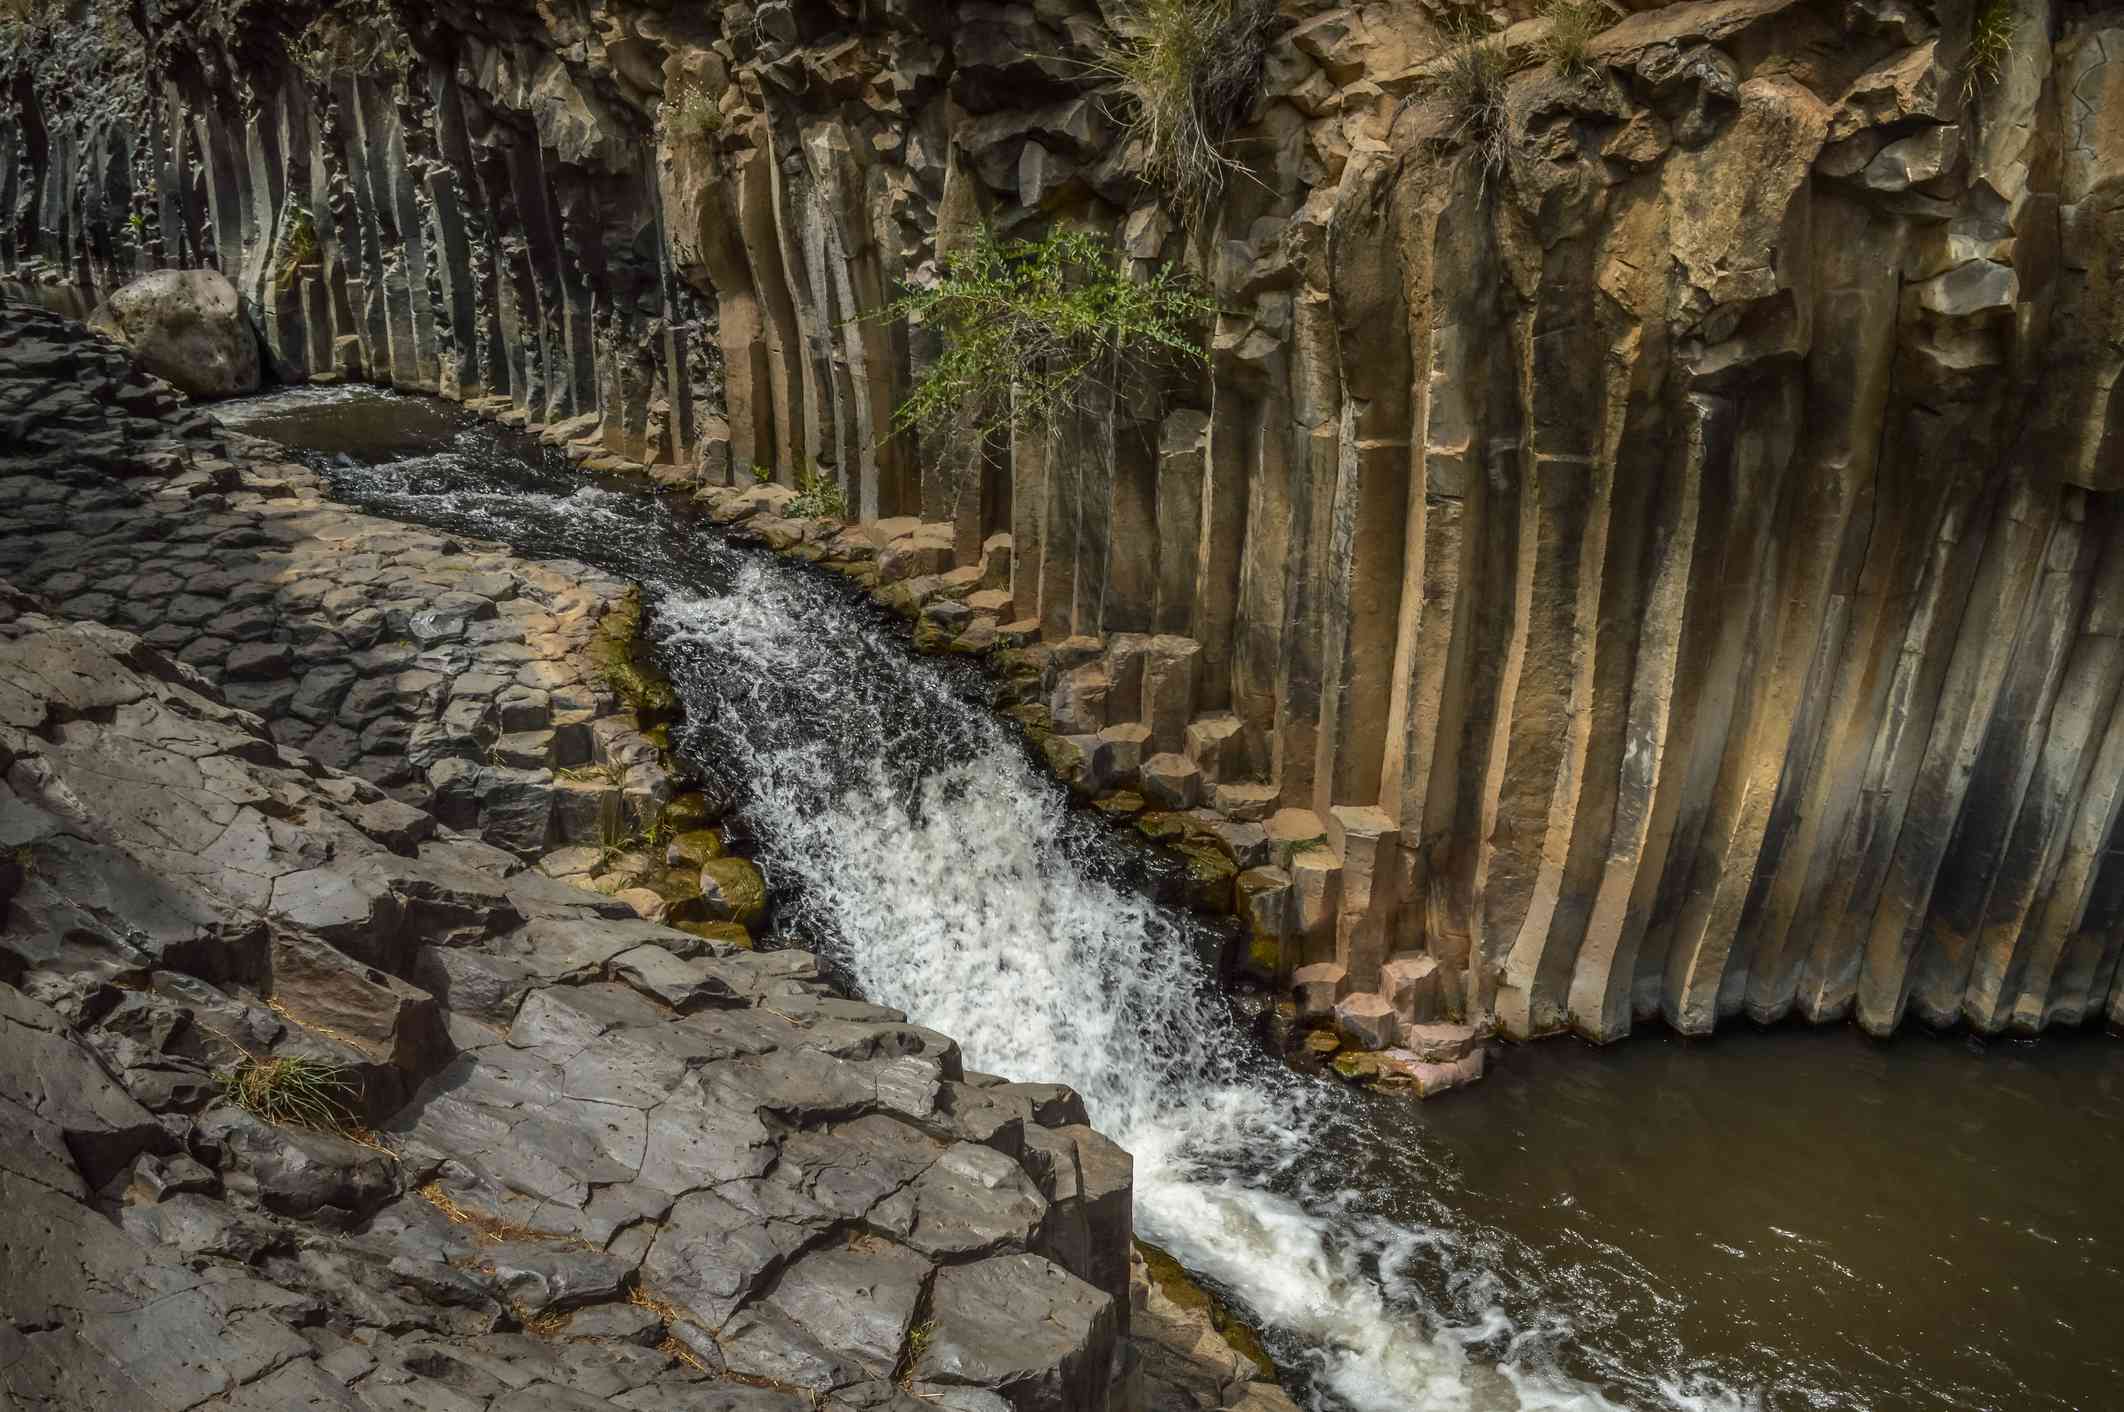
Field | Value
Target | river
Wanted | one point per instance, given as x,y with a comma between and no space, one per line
1782,1219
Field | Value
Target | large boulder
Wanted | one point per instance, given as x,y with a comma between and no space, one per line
186,327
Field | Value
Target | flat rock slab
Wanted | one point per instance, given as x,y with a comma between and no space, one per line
581,1161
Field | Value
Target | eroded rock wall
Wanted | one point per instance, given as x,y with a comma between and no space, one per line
1674,575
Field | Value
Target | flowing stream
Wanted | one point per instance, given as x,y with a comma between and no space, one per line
1777,1220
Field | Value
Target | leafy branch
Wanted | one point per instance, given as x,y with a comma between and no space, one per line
1030,327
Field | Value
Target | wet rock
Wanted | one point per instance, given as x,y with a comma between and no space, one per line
733,890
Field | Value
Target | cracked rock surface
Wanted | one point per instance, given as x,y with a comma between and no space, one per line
587,1160
601,1158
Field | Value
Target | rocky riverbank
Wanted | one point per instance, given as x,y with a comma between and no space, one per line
273,774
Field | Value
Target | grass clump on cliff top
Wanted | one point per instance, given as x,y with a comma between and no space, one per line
1572,27
1030,327
1474,81
353,37
1190,69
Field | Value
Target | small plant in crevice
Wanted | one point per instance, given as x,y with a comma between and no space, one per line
1990,46
919,1339
1474,81
1190,70
1572,26
292,1091
819,496
761,474
690,111
1032,328
353,37
297,249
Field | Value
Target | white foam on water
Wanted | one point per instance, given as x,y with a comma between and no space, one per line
956,899
244,411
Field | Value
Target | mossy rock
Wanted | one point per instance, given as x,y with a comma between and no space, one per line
729,932
673,885
692,848
1033,716
1322,1042
1119,804
1177,1285
734,891
688,812
659,735
898,598
930,639
623,660
1065,757
1264,957
1357,1066
1209,876
1162,826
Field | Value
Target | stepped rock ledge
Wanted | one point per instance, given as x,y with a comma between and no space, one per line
247,818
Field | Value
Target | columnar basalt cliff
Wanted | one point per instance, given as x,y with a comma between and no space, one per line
1675,573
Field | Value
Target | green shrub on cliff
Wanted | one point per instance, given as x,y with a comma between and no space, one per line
819,497
1190,70
1029,327
689,111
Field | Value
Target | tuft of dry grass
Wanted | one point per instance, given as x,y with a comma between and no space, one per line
1190,69
294,1091
1474,80
541,1325
672,1348
491,1229
1573,24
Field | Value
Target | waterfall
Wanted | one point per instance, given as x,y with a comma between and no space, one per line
907,836
949,880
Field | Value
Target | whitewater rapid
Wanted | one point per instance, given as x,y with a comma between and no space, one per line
963,895
906,834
